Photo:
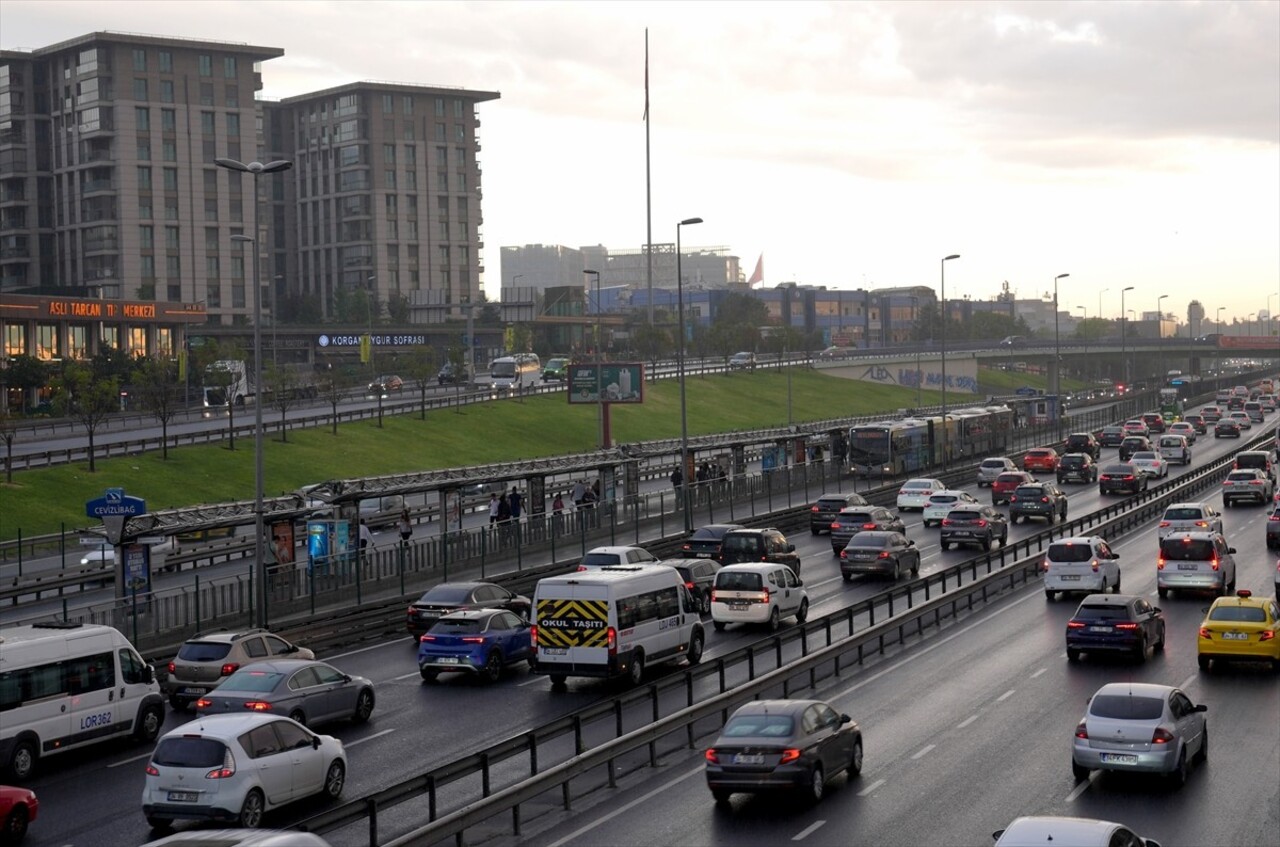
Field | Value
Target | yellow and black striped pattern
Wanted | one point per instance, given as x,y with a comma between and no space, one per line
573,623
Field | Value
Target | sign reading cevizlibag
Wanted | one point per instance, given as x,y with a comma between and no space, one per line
623,382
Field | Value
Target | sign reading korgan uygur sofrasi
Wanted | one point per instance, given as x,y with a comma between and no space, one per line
623,382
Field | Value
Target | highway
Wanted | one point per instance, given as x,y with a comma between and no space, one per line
964,731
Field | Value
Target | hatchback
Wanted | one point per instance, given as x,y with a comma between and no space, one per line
236,767
981,525
1226,428
1240,628
481,642
852,521
1154,422
704,542
827,506
18,808
942,502
1111,436
916,492
448,597
1115,623
783,745
1040,459
883,553
1004,486
1121,477
1211,414
1083,563
699,577
1249,484
1199,561
1137,426
1197,422
991,468
1083,442
1077,467
1189,517
1134,444
1150,463
1140,727
760,593
204,662
308,691
759,545
1038,500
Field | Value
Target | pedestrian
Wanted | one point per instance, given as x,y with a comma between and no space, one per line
579,491
493,508
504,511
366,537
595,491
557,512
677,478
405,526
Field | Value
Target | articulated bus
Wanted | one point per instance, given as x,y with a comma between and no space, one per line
895,448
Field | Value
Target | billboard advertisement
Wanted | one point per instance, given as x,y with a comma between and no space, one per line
623,382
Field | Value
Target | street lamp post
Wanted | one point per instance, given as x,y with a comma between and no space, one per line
1100,293
372,289
1084,312
686,505
259,527
1161,376
1124,356
599,360
1218,319
1248,324
1057,354
943,272
275,319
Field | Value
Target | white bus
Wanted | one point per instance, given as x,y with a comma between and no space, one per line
515,372
64,686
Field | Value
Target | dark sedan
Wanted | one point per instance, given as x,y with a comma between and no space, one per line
306,690
783,745
822,512
699,577
704,543
1226,428
1038,500
1121,478
875,552
1115,623
1111,436
482,642
981,525
1134,444
451,596
850,522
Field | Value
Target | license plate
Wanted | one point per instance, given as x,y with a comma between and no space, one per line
447,660
183,797
193,690
1188,566
738,607
702,556
1070,576
1119,758
1100,629
748,759
554,651
962,533
1236,636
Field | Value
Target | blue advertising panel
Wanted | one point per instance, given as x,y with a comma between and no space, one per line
137,568
318,548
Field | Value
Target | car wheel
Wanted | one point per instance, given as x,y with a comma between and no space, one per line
986,543
897,570
15,826
704,604
773,620
1162,592
1073,654
335,779
1053,517
696,643
298,716
429,674
1140,651
915,567
149,723
22,761
364,707
1202,662
720,796
159,824
1048,596
493,667
1080,772
1178,776
558,682
251,810
855,759
813,530
848,577
803,613
945,545
1159,645
817,784
636,675
177,703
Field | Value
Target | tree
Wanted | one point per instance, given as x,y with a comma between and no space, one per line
737,324
398,308
651,341
157,383
457,356
283,388
1092,329
332,389
88,397
420,367
28,374
8,432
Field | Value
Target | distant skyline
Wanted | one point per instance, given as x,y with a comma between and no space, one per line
852,144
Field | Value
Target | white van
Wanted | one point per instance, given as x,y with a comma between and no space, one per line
612,622
68,685
1174,448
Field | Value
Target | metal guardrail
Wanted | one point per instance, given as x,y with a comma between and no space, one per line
1014,563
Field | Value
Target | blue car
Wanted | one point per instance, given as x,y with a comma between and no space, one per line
478,641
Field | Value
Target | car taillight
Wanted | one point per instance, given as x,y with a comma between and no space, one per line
533,635
689,585
227,770
1094,565
834,525
1013,498
171,669
873,526
611,638
1128,478
152,770
982,522
1127,626
1161,736
884,554
946,521
472,639
813,509
426,638
1081,730
687,547
1215,564
1075,625
1205,633
257,705
789,755
763,596
410,611
1163,524
582,568
229,668
204,703
1160,563
1266,635
1044,499
842,555
712,756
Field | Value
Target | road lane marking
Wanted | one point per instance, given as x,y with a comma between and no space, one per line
381,646
966,721
872,787
807,831
1082,787
1037,673
405,676
130,759
368,738
627,807
924,751
531,680
1187,682
1006,695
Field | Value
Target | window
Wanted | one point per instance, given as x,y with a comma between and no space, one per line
90,673
206,66
166,91
210,182
169,150
144,151
146,237
211,238
460,133
233,125
389,178
171,237
144,208
260,742
388,104
140,89
408,131
229,67
348,156
139,60
206,94
407,103
211,267
410,179
168,120
170,179
166,61
144,178
210,209
410,155
305,678
411,205
232,97
292,736
206,123
142,115
133,671
458,109
441,135
442,180
278,646
388,154
439,107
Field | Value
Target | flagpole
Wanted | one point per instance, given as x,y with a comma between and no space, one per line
648,195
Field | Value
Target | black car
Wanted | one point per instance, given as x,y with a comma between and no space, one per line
850,522
981,525
1115,623
699,577
1121,478
759,545
884,553
1038,500
1198,421
450,375
1134,444
1226,428
1111,436
825,509
451,596
704,542
1077,467
1083,442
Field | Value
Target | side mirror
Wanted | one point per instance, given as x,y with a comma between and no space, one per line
315,742
346,677
844,719
1115,555
1231,550
799,582
1201,708
293,648
148,674
791,548
910,543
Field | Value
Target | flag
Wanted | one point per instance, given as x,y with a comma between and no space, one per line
758,274
646,74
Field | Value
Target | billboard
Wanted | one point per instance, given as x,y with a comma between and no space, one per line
623,382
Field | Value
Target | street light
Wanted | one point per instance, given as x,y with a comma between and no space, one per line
259,527
1084,312
1100,293
943,270
1248,324
372,291
599,359
1160,337
686,506
1218,320
1057,353
1124,356
514,277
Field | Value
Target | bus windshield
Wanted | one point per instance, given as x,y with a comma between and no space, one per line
869,447
503,369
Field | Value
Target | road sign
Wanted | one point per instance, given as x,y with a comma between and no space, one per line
1026,391
115,503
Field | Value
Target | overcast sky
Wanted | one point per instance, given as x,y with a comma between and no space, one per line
852,144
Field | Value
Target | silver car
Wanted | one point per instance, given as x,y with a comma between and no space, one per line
307,691
992,468
1189,517
1140,727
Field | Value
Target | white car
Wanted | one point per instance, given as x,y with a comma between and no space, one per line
916,492
1149,463
1077,832
937,506
1242,419
1083,563
1189,517
1184,429
604,557
236,767
757,593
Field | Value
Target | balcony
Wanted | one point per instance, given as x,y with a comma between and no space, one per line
90,186
14,253
101,245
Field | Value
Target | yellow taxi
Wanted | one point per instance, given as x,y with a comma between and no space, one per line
1240,628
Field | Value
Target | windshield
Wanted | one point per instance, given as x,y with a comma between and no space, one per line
869,447
503,370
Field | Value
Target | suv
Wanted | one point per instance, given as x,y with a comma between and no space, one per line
824,511
1248,484
1083,563
759,545
850,522
1197,561
992,468
1189,517
1040,459
1198,421
1211,414
1256,459
556,368
451,375
981,525
205,661
1038,500
1134,444
743,361
1120,623
1006,484
1077,467
1083,442
758,592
